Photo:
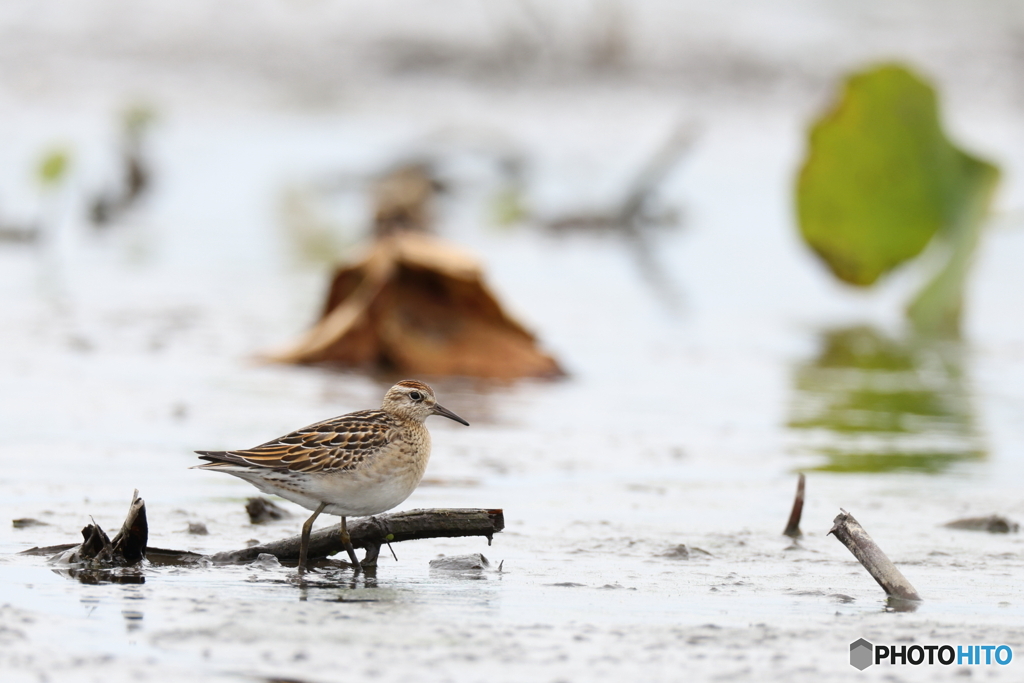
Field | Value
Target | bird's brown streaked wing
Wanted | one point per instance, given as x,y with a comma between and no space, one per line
341,443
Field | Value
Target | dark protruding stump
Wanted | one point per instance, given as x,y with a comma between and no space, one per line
127,548
793,525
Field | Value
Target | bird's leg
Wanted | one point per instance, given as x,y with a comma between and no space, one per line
346,541
304,541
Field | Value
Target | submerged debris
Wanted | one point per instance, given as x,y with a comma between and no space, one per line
471,562
993,524
418,305
684,552
265,561
262,510
26,522
677,552
198,529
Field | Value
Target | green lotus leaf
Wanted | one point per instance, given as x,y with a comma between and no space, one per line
881,179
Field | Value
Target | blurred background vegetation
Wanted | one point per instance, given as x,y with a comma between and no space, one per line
249,152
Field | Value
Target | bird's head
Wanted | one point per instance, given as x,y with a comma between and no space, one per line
414,400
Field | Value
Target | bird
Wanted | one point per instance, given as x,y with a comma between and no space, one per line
358,464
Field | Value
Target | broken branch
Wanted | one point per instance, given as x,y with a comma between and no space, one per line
371,532
851,534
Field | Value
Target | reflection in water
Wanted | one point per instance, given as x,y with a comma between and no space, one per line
132,620
340,584
124,575
894,604
870,403
132,610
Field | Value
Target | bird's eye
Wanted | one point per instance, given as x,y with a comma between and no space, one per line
415,395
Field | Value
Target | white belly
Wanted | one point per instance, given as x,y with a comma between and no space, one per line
352,496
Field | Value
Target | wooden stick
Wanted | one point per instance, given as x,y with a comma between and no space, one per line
793,525
372,532
851,534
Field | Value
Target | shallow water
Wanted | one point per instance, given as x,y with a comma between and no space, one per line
126,351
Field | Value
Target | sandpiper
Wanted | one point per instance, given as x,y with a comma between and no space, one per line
358,464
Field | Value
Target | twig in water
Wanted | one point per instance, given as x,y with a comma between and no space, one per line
793,525
851,534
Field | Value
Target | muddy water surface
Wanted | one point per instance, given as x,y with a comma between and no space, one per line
644,496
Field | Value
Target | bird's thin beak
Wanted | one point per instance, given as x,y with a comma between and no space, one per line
441,410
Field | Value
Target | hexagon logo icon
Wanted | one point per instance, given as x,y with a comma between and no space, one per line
861,654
